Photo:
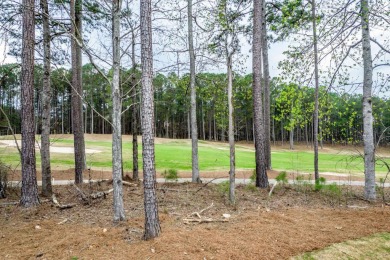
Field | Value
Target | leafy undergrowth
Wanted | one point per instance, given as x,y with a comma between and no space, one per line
294,220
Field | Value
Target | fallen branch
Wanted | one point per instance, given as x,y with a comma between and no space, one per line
101,194
63,222
200,212
272,189
82,194
11,203
168,189
203,220
126,183
61,206
357,207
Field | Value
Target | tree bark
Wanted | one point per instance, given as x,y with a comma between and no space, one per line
313,12
259,131
232,172
291,137
267,104
194,126
119,212
368,138
135,111
77,91
29,196
46,101
152,223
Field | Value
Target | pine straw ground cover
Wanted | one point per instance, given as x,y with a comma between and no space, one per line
292,221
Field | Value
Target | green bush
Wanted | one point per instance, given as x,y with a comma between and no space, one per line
253,177
223,187
3,180
250,187
319,184
282,177
171,175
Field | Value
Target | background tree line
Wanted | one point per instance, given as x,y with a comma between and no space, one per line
340,120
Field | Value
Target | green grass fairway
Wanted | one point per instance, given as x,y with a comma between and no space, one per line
213,156
373,247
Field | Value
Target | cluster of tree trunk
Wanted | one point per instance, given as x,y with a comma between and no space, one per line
220,107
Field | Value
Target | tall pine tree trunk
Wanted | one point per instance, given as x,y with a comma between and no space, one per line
135,111
267,104
232,172
259,131
77,91
194,126
313,12
46,101
368,136
29,196
152,222
119,212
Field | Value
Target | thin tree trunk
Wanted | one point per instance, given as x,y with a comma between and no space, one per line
91,116
46,101
291,138
267,106
232,172
313,12
86,120
135,111
77,91
261,163
188,125
203,124
273,131
29,196
210,127
306,136
282,131
152,223
119,212
62,114
368,138
194,126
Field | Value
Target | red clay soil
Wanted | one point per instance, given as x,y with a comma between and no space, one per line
294,220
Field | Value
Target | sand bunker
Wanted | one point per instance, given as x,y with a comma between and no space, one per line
53,149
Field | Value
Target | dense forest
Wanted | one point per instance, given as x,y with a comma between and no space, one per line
340,119
208,70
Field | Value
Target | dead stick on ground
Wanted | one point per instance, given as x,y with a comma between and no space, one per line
101,194
126,183
203,210
272,189
82,194
61,206
203,220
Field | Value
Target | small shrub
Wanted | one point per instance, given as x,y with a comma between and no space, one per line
3,180
253,177
282,177
319,184
250,187
170,175
223,187
300,178
333,189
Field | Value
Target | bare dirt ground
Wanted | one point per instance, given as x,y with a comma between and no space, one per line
294,220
